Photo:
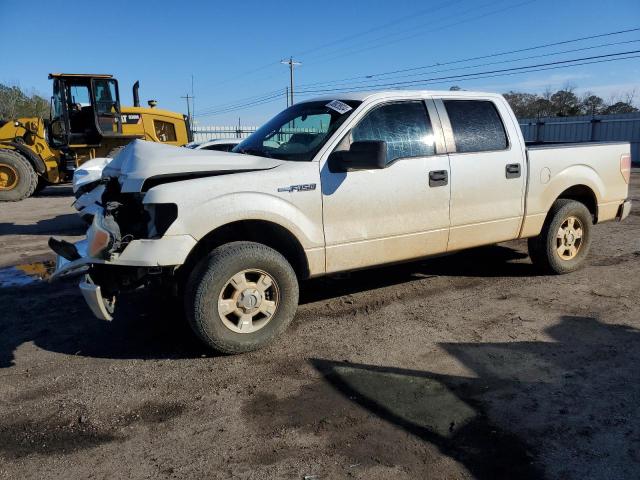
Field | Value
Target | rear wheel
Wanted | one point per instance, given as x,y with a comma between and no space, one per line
564,242
18,180
241,297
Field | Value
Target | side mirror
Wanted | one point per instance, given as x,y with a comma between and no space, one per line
368,155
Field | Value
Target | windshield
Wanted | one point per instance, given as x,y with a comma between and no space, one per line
298,132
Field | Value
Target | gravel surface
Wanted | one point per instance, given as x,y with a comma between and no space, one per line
466,366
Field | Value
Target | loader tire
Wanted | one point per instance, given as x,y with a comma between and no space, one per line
565,239
241,297
18,180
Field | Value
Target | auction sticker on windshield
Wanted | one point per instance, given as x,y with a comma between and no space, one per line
338,106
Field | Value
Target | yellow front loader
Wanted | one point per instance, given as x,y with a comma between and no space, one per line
87,121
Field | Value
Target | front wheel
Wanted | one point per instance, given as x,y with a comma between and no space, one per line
241,296
564,242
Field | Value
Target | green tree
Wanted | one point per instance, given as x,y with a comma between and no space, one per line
619,107
592,104
565,102
15,103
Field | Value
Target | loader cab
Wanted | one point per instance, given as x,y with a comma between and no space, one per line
84,109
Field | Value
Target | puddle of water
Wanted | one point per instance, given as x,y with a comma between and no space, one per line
26,274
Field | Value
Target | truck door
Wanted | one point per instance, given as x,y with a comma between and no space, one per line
487,172
396,213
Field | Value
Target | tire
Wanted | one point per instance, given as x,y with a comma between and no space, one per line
219,277
545,249
115,151
18,180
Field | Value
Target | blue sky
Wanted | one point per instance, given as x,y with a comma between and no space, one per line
233,49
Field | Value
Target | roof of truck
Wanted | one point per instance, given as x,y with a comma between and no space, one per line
361,96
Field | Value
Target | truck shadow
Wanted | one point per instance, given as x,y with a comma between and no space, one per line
526,399
491,261
152,325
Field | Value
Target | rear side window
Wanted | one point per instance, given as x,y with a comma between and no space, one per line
405,127
477,126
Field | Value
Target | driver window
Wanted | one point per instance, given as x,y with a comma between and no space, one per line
404,126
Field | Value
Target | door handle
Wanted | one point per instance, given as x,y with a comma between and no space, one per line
438,178
512,170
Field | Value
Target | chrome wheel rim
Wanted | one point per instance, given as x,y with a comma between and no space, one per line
569,238
248,301
8,177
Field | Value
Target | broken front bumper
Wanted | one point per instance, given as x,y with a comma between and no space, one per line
162,252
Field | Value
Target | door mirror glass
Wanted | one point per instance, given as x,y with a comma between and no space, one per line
366,155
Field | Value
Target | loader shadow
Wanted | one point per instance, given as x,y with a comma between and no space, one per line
525,396
65,224
64,190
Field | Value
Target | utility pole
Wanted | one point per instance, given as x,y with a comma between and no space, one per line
291,64
286,95
193,98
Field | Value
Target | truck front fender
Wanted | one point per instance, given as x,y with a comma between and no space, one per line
234,207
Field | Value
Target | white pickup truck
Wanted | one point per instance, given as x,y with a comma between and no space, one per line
336,184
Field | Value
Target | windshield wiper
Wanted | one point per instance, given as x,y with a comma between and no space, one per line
255,151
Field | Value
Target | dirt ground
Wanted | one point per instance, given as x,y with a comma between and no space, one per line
467,366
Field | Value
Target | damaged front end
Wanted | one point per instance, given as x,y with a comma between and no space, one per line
125,249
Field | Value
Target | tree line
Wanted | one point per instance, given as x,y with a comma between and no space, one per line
16,103
566,103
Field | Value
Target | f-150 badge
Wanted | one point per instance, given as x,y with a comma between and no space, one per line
298,188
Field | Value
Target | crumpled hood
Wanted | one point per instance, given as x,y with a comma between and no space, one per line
142,160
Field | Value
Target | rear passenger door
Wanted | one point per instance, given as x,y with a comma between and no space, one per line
487,172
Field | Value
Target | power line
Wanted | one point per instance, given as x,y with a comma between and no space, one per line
461,76
385,39
418,13
239,101
415,14
481,76
264,100
484,75
270,94
411,16
480,57
530,57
